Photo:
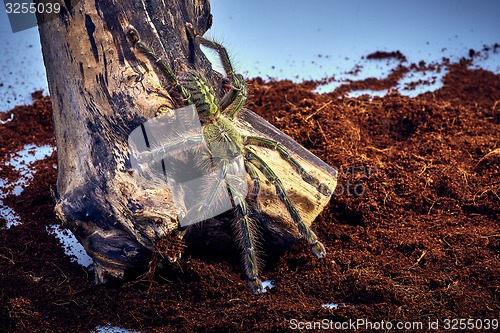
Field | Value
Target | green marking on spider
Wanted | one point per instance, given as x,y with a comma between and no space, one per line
226,143
271,144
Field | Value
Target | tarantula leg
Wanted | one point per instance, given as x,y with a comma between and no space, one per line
316,246
172,78
211,194
226,63
165,150
177,241
307,177
246,234
233,101
254,176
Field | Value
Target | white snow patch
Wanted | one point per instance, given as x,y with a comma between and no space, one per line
71,245
422,81
268,284
114,329
28,155
9,215
372,93
333,305
489,61
20,161
3,122
378,69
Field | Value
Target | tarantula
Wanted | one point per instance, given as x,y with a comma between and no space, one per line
225,144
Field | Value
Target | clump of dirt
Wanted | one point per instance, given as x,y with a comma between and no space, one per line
412,231
378,55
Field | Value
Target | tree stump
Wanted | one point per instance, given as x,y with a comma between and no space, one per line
101,90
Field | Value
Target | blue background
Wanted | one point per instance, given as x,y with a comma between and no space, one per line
300,39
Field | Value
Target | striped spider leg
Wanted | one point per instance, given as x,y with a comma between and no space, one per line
225,145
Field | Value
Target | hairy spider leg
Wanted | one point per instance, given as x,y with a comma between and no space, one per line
244,226
253,195
158,153
246,233
317,248
171,77
220,180
233,101
307,177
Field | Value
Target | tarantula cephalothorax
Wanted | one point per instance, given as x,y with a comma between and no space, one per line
216,118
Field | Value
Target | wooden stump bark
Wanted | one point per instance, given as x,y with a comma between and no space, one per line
101,90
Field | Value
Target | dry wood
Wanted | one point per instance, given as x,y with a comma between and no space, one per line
102,89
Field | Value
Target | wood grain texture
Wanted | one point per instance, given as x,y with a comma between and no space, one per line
102,88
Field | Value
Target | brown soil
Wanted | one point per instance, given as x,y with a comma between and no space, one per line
412,231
